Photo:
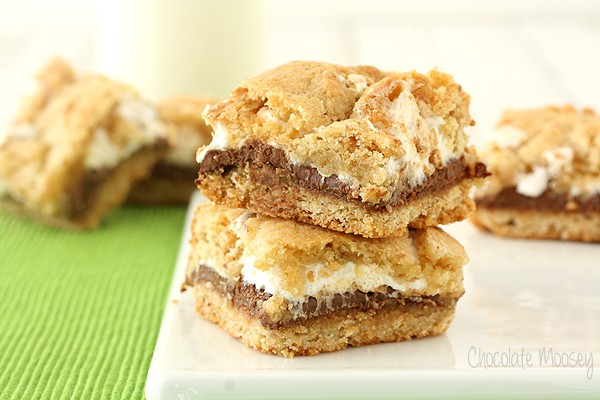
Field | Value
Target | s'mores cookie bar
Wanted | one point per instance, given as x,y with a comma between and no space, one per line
545,181
352,149
288,288
76,147
172,179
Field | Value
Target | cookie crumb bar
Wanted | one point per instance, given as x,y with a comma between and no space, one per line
545,181
288,288
76,147
352,149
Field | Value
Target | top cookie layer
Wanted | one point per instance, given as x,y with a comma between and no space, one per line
556,148
375,131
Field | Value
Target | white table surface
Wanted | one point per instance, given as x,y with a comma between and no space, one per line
522,297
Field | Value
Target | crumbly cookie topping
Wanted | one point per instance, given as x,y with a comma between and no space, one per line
555,148
376,131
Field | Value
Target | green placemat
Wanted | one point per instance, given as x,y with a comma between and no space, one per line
80,311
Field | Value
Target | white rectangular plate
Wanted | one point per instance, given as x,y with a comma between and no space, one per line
533,304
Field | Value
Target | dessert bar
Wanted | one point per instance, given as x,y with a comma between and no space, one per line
352,149
76,147
545,179
289,288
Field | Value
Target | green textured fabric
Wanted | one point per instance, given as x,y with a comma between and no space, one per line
80,311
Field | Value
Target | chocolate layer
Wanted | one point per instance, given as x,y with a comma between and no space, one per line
91,180
249,298
550,200
276,170
173,172
83,195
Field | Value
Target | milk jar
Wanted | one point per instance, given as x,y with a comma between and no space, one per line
171,47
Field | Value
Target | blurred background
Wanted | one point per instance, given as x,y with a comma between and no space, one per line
510,53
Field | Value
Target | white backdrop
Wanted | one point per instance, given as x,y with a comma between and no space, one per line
506,54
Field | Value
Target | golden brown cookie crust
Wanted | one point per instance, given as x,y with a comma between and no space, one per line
326,333
186,110
382,136
530,224
107,195
545,181
301,204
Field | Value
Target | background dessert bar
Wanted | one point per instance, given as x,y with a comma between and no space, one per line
76,147
545,179
172,178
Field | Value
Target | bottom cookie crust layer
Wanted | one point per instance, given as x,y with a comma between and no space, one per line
240,189
107,193
530,224
331,332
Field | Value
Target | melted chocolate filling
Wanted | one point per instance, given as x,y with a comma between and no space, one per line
83,195
173,172
548,201
248,297
278,171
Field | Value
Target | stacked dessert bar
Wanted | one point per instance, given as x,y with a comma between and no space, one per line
328,184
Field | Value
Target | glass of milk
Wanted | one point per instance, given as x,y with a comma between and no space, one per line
171,47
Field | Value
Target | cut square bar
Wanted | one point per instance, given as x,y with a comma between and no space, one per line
352,149
545,179
76,147
288,288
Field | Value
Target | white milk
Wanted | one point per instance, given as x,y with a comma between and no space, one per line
174,47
